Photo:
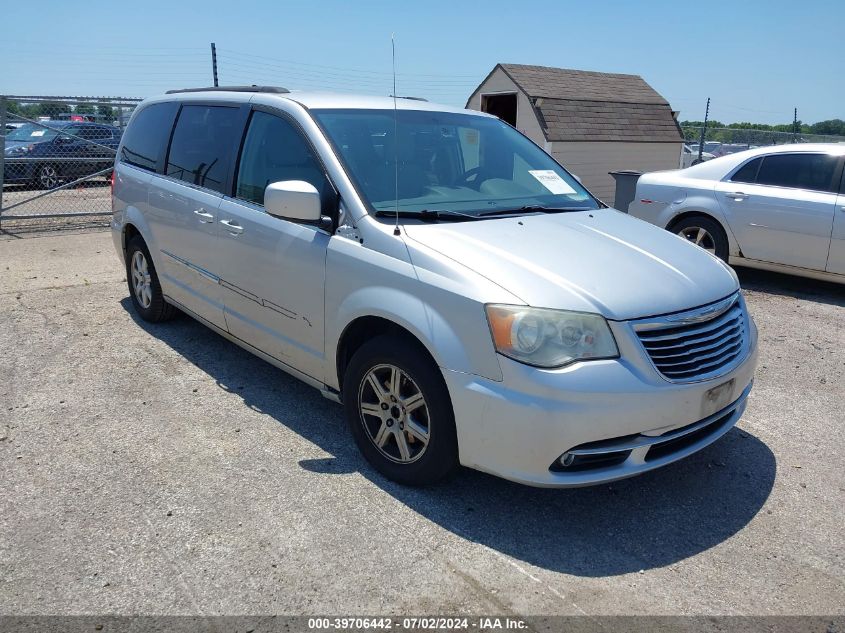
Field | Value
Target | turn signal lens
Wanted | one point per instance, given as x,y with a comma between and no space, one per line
549,338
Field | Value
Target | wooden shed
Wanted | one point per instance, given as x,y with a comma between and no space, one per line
593,123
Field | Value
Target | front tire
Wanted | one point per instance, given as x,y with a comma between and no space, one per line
399,412
144,287
704,232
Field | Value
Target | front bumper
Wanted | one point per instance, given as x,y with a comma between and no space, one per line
518,428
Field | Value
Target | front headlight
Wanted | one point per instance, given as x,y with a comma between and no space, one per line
549,338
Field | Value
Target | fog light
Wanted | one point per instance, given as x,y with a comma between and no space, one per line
566,459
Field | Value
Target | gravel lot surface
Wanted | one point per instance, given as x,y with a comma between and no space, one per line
161,469
93,196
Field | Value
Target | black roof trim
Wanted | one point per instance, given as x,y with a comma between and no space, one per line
253,88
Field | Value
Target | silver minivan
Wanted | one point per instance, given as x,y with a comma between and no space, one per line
463,296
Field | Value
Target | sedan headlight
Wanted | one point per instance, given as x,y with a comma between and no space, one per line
549,338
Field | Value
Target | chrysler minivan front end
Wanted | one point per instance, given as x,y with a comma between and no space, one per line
664,388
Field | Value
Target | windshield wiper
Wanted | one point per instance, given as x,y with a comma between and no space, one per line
533,208
429,215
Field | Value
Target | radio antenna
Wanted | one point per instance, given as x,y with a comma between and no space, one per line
395,137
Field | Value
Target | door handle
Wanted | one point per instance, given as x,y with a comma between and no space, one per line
205,218
233,227
738,195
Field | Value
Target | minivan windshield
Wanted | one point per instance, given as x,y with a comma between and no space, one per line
449,163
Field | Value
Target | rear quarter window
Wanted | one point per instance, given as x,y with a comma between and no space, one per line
145,140
748,172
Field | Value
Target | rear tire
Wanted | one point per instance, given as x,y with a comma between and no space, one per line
399,412
704,232
144,287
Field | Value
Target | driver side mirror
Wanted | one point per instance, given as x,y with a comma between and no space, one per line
294,200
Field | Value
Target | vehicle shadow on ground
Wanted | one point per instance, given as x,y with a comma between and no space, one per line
791,286
650,521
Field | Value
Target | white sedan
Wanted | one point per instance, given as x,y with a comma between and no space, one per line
777,208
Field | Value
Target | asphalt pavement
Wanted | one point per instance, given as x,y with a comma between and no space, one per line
161,469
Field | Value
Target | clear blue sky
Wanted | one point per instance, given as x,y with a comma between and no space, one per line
756,59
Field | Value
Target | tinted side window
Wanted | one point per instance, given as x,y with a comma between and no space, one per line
748,172
200,152
799,171
146,137
85,132
274,150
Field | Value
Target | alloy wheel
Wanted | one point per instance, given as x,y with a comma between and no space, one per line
48,177
141,280
394,413
699,237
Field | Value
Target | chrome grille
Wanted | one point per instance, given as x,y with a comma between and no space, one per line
698,344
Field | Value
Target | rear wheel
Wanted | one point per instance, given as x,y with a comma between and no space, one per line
704,232
399,412
144,287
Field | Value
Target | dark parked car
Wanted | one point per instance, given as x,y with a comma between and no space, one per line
65,150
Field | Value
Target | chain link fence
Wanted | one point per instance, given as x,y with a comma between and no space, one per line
720,141
58,157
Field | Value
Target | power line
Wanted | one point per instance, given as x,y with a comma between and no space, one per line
353,70
230,61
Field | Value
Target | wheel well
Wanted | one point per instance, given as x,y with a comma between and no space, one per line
362,330
690,214
129,231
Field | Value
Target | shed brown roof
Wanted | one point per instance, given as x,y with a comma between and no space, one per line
563,83
580,105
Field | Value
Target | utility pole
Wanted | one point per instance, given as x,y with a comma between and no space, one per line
214,62
703,131
795,125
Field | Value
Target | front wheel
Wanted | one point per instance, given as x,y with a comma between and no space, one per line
399,411
705,233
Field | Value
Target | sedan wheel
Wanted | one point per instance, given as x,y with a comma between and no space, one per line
700,237
48,177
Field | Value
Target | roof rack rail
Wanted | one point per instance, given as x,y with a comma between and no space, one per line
253,88
411,98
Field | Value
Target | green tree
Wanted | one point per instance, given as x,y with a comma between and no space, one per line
52,108
105,112
835,127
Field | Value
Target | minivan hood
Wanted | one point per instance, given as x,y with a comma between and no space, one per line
595,261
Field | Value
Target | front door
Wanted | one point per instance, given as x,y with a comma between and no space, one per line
781,208
272,271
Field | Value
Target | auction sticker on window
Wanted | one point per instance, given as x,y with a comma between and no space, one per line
551,180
